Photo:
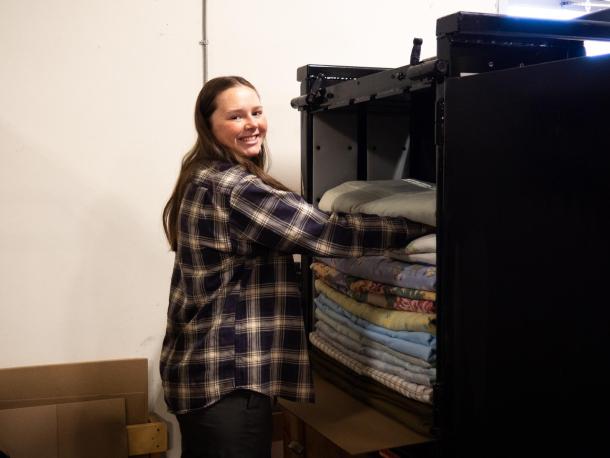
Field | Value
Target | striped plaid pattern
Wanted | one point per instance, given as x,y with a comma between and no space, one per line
234,318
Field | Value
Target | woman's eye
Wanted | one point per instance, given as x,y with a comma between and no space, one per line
236,117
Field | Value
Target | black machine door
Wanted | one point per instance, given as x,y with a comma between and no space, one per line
525,261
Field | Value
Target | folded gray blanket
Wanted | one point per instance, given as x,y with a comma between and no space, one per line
409,198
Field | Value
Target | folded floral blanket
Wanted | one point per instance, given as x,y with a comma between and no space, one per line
396,320
354,288
385,270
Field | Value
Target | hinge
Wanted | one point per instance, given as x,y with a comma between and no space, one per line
440,122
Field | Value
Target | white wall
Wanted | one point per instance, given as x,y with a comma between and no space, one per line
96,102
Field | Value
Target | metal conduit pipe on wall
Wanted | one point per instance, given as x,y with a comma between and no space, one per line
204,39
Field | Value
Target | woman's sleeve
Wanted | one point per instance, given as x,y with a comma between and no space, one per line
284,221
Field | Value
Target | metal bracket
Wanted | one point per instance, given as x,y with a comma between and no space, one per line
416,51
315,95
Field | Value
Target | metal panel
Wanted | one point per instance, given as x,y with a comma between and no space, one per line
387,145
525,260
329,94
478,43
335,148
494,25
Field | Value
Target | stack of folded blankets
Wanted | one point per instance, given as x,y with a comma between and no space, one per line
376,315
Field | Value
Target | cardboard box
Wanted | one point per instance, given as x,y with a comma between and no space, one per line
75,382
349,424
92,429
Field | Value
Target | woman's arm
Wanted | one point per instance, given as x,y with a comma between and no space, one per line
285,222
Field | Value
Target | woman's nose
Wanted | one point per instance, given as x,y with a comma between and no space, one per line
251,123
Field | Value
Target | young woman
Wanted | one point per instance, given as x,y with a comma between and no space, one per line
235,337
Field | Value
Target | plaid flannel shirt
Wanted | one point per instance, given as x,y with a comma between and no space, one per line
234,318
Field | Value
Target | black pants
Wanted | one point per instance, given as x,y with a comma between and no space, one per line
237,426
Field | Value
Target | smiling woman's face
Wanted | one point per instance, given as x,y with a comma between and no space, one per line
238,121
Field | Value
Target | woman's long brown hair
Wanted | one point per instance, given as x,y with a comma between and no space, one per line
208,150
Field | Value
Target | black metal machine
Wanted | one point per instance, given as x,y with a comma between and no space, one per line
510,120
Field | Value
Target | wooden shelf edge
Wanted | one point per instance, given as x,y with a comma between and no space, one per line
147,438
